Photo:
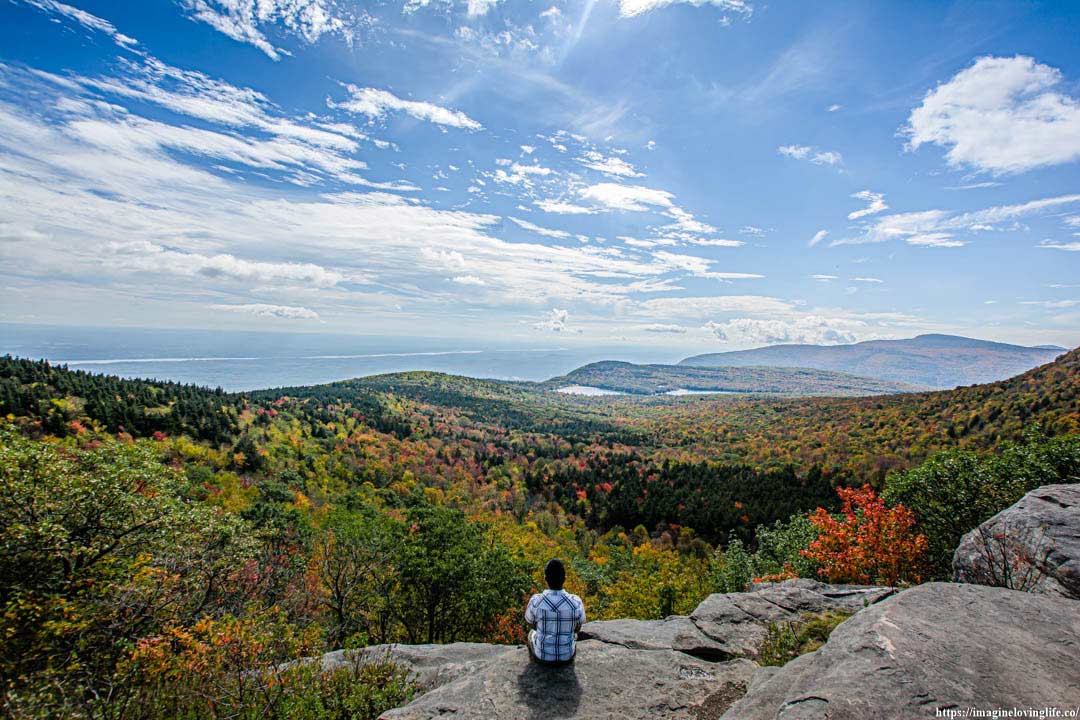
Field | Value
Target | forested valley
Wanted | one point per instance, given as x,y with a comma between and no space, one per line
166,548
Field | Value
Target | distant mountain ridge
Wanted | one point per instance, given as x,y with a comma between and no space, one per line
938,361
659,379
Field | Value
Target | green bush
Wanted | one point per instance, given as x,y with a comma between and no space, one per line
955,491
788,640
778,553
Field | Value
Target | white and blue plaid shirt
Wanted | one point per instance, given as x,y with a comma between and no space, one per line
557,615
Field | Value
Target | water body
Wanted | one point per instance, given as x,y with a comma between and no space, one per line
587,390
237,361
679,392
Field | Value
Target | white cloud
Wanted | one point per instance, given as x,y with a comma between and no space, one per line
377,103
264,310
833,108
468,280
809,329
1052,304
245,20
818,237
554,321
87,20
1067,246
144,256
634,198
475,8
547,232
875,204
614,166
871,280
1001,115
633,8
664,329
559,207
824,278
810,154
938,228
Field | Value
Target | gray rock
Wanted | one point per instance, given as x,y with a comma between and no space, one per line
932,647
605,682
734,625
738,623
431,665
1034,545
674,633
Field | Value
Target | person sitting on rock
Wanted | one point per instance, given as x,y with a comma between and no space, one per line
555,616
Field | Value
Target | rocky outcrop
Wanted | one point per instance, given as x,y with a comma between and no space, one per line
1033,545
735,625
908,654
936,646
683,667
604,682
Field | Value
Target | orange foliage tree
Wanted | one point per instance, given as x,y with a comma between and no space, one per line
869,542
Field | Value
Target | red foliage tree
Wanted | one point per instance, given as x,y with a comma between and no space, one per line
869,542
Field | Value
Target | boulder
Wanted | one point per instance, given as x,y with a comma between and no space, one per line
677,633
738,623
606,681
1034,545
933,647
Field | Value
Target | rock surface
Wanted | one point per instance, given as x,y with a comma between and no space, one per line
689,667
431,665
934,646
605,681
734,625
1033,545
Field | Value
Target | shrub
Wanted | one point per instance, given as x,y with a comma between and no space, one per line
868,542
788,640
956,491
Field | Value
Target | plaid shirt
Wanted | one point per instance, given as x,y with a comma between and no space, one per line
557,615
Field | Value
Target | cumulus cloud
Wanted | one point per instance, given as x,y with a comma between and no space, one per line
633,8
808,329
875,203
264,310
810,154
377,103
818,237
1001,115
554,321
246,20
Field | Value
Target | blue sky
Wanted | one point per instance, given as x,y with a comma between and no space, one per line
703,174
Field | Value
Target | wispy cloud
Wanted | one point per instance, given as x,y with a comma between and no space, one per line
247,20
810,154
376,104
875,204
633,8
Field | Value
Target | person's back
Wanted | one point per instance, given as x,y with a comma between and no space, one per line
555,616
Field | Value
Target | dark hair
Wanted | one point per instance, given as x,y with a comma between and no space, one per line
555,573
